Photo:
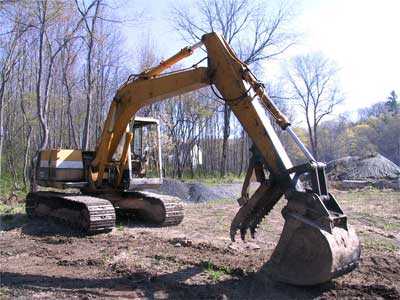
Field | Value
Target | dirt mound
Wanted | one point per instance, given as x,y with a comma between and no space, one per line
357,168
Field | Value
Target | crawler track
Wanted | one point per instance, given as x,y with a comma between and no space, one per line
88,213
94,214
158,209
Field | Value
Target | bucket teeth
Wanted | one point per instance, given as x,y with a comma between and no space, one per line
232,235
243,232
253,231
254,210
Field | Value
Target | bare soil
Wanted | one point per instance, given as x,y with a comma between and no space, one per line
195,260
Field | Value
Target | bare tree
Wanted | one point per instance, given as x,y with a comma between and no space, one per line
6,64
90,26
9,54
312,79
40,77
68,60
255,32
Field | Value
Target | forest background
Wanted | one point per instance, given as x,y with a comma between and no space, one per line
61,62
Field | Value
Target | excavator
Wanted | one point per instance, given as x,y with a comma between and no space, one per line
317,243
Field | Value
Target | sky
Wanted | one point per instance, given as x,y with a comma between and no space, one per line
361,37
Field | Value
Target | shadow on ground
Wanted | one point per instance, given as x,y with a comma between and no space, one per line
50,226
131,220
37,226
172,285
12,221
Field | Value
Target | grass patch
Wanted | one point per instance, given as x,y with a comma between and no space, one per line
119,226
213,179
7,187
371,220
214,272
12,209
382,222
380,244
4,292
105,260
12,216
368,195
391,226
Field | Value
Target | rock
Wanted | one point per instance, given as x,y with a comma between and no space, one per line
179,242
252,246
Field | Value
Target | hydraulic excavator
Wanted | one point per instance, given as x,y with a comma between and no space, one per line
316,244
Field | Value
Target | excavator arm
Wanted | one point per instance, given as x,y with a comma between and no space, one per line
232,78
317,243
128,100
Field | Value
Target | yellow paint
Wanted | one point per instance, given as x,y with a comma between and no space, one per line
61,154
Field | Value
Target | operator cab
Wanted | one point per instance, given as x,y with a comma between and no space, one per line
144,160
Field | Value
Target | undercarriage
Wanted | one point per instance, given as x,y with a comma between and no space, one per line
97,213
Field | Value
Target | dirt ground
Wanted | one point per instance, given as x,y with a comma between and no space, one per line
195,260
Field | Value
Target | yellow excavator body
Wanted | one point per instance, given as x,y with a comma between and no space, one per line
317,243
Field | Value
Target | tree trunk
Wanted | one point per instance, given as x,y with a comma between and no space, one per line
227,117
42,118
86,128
241,153
26,158
1,122
72,136
89,81
315,147
310,134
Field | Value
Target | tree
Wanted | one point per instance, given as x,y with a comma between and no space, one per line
336,138
374,110
313,85
90,27
392,104
9,55
41,63
254,31
184,119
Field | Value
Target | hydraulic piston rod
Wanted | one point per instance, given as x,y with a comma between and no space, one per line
183,53
300,144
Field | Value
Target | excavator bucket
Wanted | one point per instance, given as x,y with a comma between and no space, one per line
316,244
308,253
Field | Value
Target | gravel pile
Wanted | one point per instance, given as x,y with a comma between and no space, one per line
175,188
357,168
198,192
